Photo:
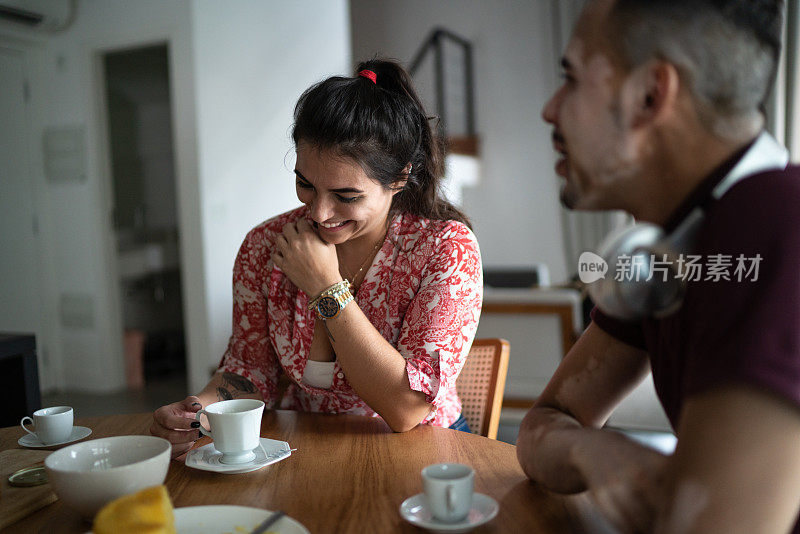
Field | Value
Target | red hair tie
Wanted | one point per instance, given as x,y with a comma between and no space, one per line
369,74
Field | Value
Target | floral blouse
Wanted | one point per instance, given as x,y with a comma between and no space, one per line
423,293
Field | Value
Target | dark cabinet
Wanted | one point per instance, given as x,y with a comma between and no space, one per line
19,378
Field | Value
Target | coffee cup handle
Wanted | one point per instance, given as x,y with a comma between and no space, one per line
203,430
450,498
22,424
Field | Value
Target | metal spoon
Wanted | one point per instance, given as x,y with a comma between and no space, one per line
268,522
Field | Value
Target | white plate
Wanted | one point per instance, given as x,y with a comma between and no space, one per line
415,510
207,458
219,519
32,442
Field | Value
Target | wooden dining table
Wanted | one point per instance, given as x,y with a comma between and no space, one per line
348,474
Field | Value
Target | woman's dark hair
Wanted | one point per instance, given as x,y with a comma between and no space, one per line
383,127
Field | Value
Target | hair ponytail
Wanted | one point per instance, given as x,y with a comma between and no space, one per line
382,125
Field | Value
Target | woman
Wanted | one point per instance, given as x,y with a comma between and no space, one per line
367,297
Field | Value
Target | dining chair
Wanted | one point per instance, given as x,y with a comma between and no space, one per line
481,383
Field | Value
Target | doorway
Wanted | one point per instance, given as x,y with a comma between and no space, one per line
139,125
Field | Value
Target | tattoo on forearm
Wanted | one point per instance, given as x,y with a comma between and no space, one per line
224,394
238,383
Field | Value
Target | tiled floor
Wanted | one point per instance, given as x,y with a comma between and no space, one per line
156,393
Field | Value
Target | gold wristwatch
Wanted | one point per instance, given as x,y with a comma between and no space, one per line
332,301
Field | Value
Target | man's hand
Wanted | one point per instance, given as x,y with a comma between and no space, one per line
625,480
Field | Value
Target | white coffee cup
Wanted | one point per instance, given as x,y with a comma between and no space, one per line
449,489
51,425
235,428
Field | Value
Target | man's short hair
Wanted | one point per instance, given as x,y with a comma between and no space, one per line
727,51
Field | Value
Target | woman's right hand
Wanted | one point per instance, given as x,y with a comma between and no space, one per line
176,423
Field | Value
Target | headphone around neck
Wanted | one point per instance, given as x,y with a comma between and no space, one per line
642,278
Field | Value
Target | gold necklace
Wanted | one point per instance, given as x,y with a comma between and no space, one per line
371,255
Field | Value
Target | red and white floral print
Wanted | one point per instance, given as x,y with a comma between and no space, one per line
423,293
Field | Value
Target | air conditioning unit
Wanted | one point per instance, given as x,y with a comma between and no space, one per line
45,15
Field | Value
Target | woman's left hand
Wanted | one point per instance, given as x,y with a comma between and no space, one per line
309,262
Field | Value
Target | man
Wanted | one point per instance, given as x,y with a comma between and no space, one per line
661,100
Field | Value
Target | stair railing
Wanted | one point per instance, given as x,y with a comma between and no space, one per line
435,44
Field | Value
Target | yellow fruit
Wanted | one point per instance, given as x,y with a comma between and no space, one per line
148,511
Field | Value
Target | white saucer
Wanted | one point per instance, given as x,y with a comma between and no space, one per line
208,458
32,442
415,510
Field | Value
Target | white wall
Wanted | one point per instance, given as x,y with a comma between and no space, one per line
73,218
237,68
515,208
253,60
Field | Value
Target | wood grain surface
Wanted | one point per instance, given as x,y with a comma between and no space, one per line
349,474
16,502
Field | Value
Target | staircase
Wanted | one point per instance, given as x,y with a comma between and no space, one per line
444,75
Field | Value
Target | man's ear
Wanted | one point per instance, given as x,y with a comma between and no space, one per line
656,93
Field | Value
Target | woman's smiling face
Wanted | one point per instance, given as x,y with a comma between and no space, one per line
343,202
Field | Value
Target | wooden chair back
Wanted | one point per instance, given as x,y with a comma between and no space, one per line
481,383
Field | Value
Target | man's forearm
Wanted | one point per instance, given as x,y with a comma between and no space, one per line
547,439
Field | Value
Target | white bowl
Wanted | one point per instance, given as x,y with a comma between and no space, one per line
87,475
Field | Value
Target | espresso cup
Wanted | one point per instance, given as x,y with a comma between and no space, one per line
449,489
51,425
235,428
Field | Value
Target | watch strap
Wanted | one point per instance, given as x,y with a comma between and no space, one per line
335,288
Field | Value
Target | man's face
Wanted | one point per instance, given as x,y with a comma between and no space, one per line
589,125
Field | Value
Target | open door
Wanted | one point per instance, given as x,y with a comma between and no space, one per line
137,86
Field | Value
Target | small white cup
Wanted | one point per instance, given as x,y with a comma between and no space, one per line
51,425
235,428
449,489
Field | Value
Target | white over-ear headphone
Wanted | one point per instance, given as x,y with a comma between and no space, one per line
641,292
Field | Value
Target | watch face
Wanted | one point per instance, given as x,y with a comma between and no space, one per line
328,307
